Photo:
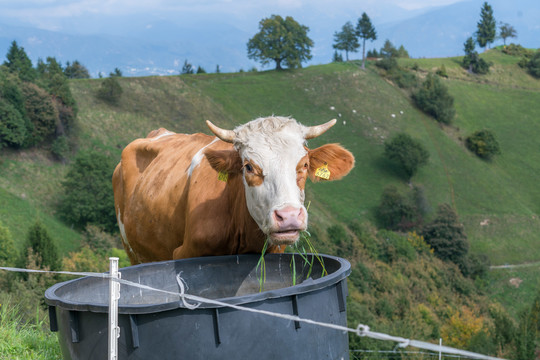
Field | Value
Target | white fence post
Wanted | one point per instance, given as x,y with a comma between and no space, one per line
114,295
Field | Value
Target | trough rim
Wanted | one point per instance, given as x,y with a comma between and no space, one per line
306,286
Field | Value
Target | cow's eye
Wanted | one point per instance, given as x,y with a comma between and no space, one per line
248,168
306,165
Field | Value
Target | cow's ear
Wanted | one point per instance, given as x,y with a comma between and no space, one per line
226,161
329,162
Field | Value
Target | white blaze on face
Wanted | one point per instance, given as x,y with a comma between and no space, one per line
271,149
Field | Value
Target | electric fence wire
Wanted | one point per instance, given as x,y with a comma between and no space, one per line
361,330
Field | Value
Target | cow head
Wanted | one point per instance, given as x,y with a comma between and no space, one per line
274,162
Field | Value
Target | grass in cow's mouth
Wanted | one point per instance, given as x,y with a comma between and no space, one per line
303,247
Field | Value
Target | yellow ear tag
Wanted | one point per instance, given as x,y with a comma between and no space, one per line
223,176
323,172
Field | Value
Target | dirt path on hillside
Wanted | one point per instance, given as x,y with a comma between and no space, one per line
508,266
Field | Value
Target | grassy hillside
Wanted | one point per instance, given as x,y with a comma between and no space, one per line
369,109
29,187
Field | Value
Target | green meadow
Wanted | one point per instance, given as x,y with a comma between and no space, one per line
498,201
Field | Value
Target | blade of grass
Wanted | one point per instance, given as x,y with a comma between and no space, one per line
261,265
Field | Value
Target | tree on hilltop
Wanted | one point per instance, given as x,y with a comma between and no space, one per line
110,89
486,32
76,70
187,68
116,73
346,40
472,60
365,31
19,62
283,41
389,50
506,31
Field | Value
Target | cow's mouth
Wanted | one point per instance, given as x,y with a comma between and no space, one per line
287,237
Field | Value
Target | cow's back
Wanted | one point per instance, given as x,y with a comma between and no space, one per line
151,190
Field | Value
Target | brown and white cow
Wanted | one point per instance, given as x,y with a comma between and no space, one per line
180,196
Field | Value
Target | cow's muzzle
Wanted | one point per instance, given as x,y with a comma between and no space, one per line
288,223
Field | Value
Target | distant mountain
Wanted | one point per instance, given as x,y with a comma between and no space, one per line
158,43
151,52
442,32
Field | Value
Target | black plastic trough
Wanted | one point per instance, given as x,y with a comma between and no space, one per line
154,325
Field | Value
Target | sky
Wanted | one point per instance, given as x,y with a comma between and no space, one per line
58,15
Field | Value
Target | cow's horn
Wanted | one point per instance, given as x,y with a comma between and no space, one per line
225,135
314,131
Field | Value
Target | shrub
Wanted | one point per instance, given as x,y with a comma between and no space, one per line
404,79
10,90
13,128
442,71
60,148
433,99
88,196
483,143
97,247
475,64
338,235
418,243
64,102
534,65
110,90
98,240
395,246
409,153
517,50
446,235
525,337
361,277
398,212
8,252
366,234
504,328
475,266
393,209
76,71
387,63
462,326
41,111
40,243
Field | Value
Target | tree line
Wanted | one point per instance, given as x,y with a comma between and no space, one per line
286,43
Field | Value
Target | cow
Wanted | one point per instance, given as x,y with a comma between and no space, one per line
179,196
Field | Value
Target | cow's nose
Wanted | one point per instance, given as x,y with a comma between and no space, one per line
289,218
